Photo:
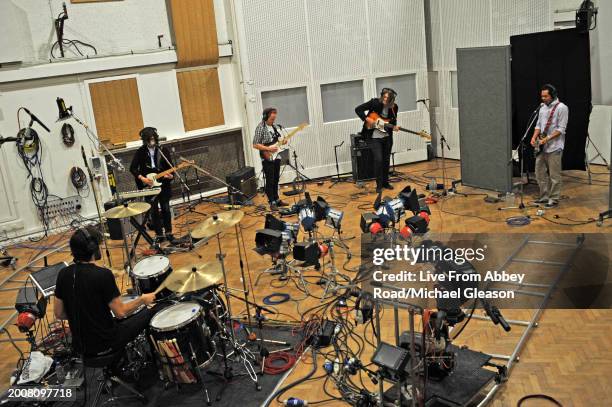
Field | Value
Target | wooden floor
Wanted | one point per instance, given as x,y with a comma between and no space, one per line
569,356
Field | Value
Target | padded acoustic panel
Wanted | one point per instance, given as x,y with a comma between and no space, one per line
276,42
195,32
116,108
397,19
200,96
339,38
485,117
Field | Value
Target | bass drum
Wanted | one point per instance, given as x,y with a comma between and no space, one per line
182,341
149,273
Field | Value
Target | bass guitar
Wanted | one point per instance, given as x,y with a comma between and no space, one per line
155,177
383,124
281,144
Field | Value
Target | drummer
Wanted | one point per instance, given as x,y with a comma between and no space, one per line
85,295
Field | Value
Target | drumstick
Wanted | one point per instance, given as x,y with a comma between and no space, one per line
176,372
162,358
188,373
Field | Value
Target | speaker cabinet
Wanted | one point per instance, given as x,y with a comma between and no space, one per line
245,182
361,159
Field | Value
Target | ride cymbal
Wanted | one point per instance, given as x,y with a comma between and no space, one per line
126,210
195,278
217,224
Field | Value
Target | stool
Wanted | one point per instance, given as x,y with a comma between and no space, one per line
107,378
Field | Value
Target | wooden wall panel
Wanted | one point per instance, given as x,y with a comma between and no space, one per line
195,32
116,107
200,96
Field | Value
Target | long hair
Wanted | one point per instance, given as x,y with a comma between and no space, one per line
147,133
391,99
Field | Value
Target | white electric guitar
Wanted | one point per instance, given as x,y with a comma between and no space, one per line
281,144
155,177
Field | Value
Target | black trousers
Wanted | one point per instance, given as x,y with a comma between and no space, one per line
381,154
271,171
159,213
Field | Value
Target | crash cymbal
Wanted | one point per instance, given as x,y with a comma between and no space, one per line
127,210
217,224
194,278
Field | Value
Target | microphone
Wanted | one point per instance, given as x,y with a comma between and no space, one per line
36,119
422,100
65,10
63,111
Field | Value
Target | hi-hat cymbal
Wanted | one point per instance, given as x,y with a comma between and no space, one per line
127,210
217,224
194,278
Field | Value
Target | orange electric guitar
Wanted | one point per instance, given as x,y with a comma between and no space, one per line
383,124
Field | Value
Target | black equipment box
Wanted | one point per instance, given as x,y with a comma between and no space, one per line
362,163
243,180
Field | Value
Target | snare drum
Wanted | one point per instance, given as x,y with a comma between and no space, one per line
182,341
150,272
127,298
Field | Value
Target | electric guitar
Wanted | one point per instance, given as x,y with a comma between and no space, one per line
538,148
153,176
280,144
383,124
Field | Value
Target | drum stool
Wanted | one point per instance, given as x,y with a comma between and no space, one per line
107,378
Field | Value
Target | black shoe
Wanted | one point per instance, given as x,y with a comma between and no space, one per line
378,190
273,207
280,203
170,237
388,186
551,204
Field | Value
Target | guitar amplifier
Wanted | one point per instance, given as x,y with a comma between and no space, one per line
243,180
362,163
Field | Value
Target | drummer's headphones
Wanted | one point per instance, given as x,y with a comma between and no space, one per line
364,307
92,244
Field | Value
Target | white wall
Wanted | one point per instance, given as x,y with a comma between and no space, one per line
297,43
474,23
113,27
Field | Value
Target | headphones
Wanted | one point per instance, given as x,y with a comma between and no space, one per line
93,246
551,89
68,134
364,307
78,178
145,134
265,115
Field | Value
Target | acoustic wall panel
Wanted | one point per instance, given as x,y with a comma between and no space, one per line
116,108
276,42
338,38
195,32
518,17
390,21
200,96
485,117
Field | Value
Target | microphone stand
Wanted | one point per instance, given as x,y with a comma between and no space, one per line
521,149
338,179
442,143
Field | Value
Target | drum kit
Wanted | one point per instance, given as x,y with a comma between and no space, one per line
193,325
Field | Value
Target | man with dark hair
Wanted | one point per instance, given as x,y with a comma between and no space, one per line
266,136
151,158
380,141
549,138
85,295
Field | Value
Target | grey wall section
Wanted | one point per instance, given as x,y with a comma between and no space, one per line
601,55
485,117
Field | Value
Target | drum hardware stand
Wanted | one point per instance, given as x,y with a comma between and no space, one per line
331,285
282,267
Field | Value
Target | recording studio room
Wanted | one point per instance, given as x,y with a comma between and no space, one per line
305,202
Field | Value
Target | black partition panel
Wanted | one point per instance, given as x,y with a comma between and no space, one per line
561,58
485,120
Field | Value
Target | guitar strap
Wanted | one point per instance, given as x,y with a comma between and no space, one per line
550,118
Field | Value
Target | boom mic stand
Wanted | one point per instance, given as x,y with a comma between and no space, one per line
442,143
521,149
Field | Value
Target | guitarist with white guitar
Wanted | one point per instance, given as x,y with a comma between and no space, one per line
150,158
266,141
